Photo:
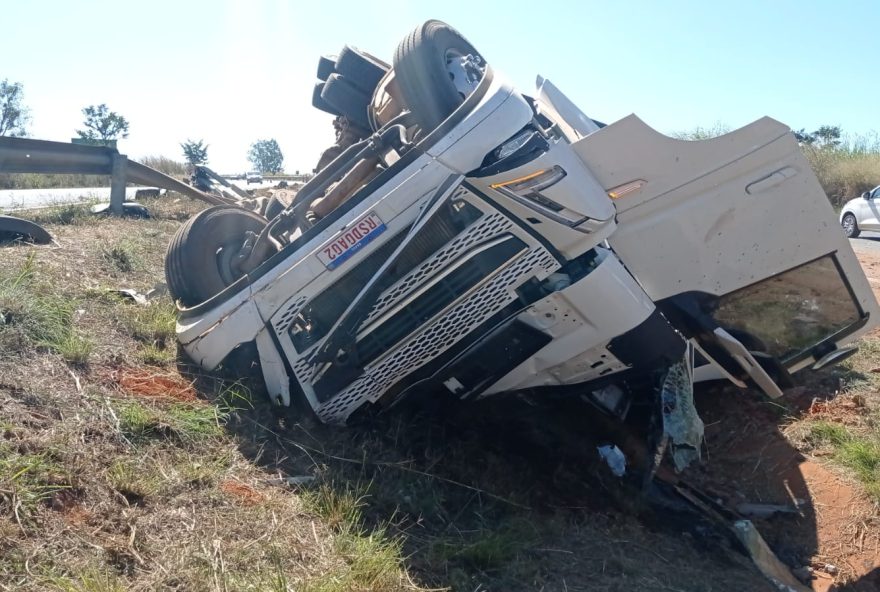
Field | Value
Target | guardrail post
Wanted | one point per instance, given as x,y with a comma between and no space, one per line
117,184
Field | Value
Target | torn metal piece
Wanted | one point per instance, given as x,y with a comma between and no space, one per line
766,561
768,510
680,420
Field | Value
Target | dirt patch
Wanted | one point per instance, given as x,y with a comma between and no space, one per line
241,492
153,384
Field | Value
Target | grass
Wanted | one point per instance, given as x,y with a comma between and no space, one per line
372,558
189,422
28,479
858,452
123,256
152,324
64,215
31,313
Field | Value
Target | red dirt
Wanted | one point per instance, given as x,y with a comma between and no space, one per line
838,528
154,384
241,492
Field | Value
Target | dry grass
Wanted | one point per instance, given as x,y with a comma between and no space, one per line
116,475
135,484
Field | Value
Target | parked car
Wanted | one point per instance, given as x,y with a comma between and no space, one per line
253,177
482,241
861,213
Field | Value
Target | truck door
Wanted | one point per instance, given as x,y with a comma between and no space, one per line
736,242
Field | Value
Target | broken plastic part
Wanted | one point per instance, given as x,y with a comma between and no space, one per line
614,458
680,420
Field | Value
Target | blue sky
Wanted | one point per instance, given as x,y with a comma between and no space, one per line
233,71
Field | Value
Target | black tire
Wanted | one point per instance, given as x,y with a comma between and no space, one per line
16,229
361,69
349,100
326,67
421,72
194,268
319,103
850,226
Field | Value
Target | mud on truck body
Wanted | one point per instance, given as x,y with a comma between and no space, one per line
476,241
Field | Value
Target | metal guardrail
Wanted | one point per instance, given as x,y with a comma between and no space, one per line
24,155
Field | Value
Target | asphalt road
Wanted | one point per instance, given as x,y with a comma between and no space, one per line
22,199
867,242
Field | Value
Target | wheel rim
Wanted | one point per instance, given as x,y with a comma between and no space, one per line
465,71
849,224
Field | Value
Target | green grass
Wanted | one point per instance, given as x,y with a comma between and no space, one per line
63,215
91,580
188,422
124,256
152,324
31,315
27,480
372,558
155,355
859,453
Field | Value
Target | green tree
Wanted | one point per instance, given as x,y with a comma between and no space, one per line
195,152
266,157
828,136
13,114
103,124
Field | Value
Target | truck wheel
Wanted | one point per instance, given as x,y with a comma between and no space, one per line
346,98
850,226
326,67
197,263
319,103
436,69
15,229
361,69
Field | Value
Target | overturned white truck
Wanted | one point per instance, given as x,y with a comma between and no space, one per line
478,241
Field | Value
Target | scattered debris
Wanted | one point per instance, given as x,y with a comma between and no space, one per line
159,289
15,229
614,458
767,562
768,510
297,481
132,210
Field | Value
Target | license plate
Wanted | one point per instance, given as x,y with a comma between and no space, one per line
353,239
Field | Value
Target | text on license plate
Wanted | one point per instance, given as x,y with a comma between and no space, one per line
353,239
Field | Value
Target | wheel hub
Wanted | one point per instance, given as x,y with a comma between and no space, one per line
464,71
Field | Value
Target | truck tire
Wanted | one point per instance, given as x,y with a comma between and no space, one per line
194,266
319,103
326,67
346,98
425,69
16,229
360,69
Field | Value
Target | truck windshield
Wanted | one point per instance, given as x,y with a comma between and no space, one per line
794,311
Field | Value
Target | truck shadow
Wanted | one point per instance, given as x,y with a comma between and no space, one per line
510,493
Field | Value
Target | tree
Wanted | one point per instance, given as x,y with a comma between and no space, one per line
827,136
195,152
266,156
13,114
103,124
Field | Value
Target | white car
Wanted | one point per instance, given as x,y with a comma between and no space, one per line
861,214
483,241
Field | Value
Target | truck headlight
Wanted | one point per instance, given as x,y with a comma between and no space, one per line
527,191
